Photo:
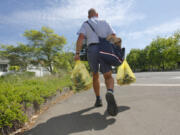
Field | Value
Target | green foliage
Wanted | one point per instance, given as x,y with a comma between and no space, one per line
46,46
162,54
14,68
23,90
64,61
19,55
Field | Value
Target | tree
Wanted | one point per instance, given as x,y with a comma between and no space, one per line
133,58
19,55
155,53
161,54
46,46
64,61
177,43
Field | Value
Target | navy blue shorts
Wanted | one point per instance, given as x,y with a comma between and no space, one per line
94,61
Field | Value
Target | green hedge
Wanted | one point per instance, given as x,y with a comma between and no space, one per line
20,91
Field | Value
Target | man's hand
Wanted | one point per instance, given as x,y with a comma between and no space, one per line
76,57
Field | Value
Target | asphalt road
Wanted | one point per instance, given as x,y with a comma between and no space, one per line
151,106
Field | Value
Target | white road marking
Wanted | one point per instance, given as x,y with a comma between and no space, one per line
168,85
149,85
177,77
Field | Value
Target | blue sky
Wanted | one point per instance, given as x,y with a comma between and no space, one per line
137,22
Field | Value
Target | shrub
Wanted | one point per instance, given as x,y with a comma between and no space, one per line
19,91
14,68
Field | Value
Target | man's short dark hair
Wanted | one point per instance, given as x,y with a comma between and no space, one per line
91,12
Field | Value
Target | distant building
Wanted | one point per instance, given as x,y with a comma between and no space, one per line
4,65
38,70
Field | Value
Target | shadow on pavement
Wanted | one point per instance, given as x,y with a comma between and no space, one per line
74,122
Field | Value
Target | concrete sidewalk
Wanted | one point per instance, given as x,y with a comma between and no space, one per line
151,106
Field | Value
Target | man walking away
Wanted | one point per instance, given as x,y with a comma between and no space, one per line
103,29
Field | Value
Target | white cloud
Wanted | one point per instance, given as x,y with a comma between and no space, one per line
163,29
69,13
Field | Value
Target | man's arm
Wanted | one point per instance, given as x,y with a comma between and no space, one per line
79,44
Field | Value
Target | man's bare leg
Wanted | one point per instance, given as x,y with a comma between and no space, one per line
111,103
109,80
96,86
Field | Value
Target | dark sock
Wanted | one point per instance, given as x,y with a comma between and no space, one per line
110,90
98,97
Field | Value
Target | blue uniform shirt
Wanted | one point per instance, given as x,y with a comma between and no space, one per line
102,28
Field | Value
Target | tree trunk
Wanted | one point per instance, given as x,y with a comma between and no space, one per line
51,70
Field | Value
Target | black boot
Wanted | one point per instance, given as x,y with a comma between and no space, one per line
98,103
111,104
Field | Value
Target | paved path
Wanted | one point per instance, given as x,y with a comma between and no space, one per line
151,106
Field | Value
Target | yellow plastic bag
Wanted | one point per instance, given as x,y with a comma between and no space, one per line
81,77
125,75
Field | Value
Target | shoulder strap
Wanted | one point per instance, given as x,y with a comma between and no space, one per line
91,27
